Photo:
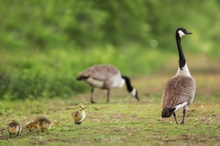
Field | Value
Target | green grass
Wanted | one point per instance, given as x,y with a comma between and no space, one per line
123,120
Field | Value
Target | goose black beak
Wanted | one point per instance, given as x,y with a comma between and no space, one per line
189,32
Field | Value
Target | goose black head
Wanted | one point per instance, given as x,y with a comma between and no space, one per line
167,112
182,31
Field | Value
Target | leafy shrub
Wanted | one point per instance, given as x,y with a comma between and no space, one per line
28,85
52,24
4,83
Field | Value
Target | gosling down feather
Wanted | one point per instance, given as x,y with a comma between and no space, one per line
105,76
180,89
41,123
14,128
79,115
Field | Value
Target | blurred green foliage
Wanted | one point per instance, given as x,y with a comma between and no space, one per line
84,23
45,44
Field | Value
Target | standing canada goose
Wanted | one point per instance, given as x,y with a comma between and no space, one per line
79,115
106,76
14,128
41,123
180,89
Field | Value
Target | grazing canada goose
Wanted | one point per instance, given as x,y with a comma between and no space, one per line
79,115
180,89
14,128
41,123
106,76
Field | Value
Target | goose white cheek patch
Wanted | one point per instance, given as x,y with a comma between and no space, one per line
133,92
181,33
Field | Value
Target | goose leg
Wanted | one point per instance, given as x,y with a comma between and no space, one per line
174,115
91,98
77,123
184,113
108,94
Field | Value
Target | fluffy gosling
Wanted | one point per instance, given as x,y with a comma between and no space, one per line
41,123
79,115
14,128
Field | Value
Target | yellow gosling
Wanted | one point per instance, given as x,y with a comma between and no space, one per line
14,128
41,123
79,115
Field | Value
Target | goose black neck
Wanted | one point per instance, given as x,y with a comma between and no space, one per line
128,83
182,60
